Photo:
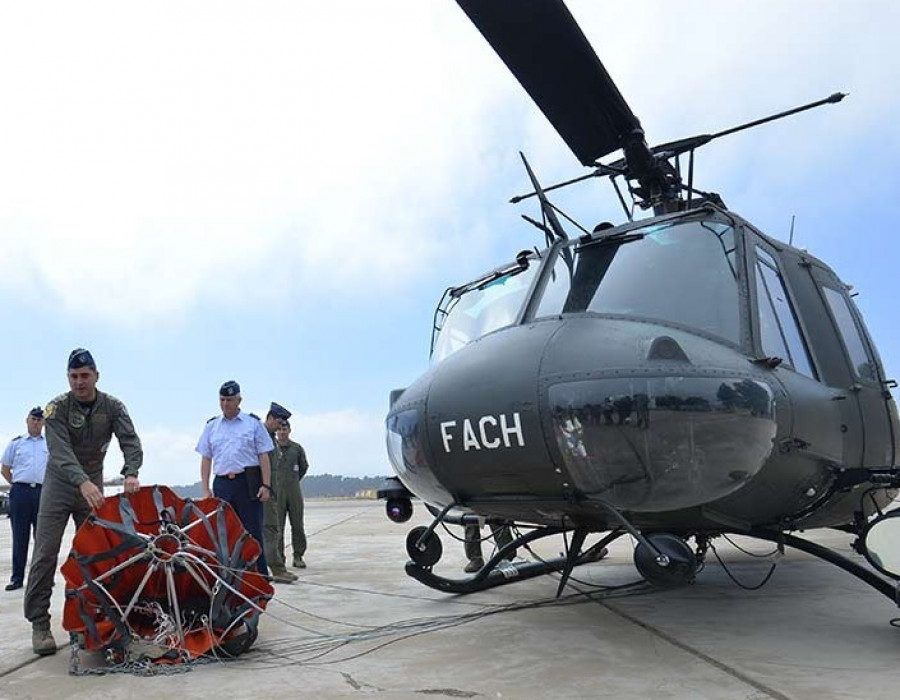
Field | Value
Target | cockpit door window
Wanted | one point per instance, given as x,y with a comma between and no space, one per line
779,331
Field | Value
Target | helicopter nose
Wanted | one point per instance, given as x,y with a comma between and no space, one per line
662,443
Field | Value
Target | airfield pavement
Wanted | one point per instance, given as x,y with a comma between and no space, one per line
355,625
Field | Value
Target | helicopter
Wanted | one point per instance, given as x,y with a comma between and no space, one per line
674,378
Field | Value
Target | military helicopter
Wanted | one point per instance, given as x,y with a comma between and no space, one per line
674,378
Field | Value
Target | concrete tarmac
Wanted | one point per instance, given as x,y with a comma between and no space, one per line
355,626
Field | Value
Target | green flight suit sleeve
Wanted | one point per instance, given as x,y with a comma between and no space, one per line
129,442
301,461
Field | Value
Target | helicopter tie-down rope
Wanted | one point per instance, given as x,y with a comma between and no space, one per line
154,580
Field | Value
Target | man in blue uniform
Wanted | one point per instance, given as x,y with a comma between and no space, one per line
235,448
23,465
79,425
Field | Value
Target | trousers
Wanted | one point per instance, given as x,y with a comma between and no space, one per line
24,501
59,501
502,537
288,505
249,510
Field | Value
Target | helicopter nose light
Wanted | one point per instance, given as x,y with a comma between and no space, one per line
398,504
398,510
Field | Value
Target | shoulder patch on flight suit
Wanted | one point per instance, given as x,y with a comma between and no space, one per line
48,410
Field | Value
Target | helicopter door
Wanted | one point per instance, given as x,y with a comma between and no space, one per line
782,332
867,383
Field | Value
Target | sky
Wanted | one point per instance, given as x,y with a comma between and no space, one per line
279,192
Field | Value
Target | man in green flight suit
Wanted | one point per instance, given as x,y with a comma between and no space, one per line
290,464
79,426
273,532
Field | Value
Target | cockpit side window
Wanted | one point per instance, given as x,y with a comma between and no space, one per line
863,364
779,331
484,306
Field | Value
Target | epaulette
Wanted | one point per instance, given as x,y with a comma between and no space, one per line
253,415
212,419
17,437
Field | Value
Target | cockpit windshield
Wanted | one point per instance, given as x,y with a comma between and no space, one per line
485,305
681,272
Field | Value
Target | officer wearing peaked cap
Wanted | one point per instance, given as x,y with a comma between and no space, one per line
23,465
79,426
279,411
234,447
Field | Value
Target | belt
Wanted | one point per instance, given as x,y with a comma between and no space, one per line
231,475
26,483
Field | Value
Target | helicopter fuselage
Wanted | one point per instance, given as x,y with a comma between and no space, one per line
686,370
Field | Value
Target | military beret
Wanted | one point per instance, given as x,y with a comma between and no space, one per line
279,411
37,412
230,388
79,358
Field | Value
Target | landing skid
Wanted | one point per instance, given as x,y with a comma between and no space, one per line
498,571
891,589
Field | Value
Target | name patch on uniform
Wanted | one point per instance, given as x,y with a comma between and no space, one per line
488,432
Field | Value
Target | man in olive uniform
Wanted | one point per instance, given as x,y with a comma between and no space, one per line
472,542
290,464
79,426
273,526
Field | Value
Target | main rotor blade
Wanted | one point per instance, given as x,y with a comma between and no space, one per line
545,49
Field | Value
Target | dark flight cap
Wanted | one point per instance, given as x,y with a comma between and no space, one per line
230,388
79,358
37,412
279,411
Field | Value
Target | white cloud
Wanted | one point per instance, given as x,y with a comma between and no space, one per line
304,145
346,442
174,147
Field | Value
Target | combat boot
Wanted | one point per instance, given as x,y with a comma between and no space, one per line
42,642
474,565
283,576
299,563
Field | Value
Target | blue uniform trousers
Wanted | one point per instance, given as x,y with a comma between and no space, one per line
236,492
24,501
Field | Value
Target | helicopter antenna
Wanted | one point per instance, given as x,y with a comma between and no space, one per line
791,239
548,234
546,208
